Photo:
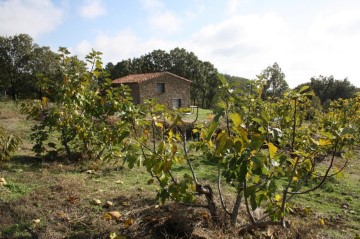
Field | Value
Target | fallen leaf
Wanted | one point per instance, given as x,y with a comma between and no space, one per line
113,235
97,201
109,204
36,221
115,215
205,215
90,171
72,199
119,182
128,223
321,222
125,204
107,217
63,216
2,182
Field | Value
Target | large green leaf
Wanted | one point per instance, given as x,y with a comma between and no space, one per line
257,140
211,130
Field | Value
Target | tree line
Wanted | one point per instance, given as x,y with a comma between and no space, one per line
26,67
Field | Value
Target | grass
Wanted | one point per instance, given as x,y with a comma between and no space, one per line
338,203
55,199
204,115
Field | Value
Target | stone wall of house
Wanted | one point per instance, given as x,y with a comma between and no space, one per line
175,88
134,87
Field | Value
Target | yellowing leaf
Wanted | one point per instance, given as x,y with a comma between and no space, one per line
324,142
339,175
235,119
272,149
128,223
321,222
113,235
158,124
44,101
278,197
171,134
314,141
304,88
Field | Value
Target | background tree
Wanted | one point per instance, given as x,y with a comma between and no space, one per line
15,64
275,84
45,71
328,88
27,68
122,68
237,82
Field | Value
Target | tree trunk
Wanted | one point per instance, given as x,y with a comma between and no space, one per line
65,142
235,211
13,93
207,191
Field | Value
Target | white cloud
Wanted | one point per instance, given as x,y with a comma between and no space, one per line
160,19
152,4
166,22
92,9
244,45
233,5
33,17
121,46
332,44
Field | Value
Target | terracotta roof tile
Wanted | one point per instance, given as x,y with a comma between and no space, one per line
138,78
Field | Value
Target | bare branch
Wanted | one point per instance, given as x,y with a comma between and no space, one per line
251,217
220,193
324,177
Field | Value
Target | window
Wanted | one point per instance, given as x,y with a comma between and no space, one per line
176,103
160,87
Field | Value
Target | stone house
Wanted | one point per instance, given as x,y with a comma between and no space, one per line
166,88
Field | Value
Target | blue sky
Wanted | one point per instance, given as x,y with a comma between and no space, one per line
240,37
